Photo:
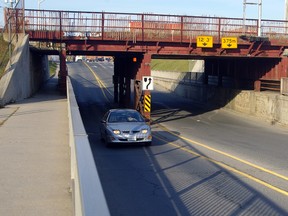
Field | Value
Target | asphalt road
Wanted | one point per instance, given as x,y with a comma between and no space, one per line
201,162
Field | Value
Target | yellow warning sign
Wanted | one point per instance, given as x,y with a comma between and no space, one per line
147,103
229,43
205,41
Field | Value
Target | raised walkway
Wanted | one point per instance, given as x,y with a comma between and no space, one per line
35,156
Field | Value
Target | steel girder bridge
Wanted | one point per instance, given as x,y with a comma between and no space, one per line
230,47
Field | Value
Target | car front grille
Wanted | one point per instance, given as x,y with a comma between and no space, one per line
128,132
125,140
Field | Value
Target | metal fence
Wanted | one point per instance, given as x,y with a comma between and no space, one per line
148,27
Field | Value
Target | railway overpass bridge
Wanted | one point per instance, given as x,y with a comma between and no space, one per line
230,47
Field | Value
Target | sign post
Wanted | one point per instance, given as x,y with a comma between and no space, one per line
147,86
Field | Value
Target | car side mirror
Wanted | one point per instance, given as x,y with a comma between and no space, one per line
103,121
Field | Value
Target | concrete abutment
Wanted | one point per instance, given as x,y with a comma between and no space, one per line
24,74
266,105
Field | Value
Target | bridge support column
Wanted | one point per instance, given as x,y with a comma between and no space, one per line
127,68
139,95
63,71
123,72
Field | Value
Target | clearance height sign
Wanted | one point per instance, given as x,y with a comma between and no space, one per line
205,41
229,43
226,42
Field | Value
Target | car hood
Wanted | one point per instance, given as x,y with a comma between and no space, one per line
128,126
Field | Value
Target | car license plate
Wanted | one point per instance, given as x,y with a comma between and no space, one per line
132,139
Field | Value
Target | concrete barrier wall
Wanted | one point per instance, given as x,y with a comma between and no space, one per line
88,195
268,106
24,73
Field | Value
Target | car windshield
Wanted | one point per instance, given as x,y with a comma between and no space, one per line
125,116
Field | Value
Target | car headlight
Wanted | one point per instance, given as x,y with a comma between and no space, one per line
117,132
144,131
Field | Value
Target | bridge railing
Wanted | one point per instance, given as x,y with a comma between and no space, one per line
143,27
275,29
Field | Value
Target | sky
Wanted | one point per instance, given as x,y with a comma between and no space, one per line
271,9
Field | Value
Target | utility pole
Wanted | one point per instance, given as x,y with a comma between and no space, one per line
259,15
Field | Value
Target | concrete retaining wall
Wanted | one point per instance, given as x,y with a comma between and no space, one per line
269,106
24,73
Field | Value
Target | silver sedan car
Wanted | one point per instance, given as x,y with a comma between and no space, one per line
125,126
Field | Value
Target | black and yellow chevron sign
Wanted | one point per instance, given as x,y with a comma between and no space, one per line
147,103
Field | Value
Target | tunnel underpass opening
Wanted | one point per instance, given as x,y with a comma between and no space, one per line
222,72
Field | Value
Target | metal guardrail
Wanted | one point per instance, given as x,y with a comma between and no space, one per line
88,195
145,27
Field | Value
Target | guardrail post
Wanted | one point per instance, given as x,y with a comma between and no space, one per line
143,23
182,27
61,32
219,30
102,27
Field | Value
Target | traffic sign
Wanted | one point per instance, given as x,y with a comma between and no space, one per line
229,43
205,41
147,83
147,103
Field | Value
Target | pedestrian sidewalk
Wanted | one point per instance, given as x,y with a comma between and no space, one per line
35,156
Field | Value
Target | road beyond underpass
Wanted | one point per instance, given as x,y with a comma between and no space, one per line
201,162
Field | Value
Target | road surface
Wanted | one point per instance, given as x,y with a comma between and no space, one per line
201,162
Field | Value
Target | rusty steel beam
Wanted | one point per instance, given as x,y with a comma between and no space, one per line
63,70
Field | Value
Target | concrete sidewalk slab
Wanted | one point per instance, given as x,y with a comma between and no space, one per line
6,113
35,156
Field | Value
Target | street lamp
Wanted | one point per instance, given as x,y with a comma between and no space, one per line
39,2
